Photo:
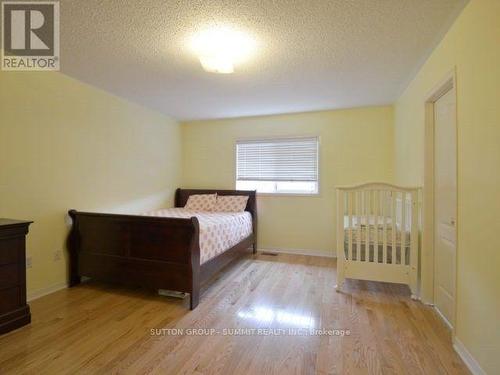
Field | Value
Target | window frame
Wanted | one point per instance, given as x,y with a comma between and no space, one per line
280,194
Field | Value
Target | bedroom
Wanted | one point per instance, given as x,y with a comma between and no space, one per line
132,114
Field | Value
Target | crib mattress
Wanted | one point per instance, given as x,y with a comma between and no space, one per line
358,229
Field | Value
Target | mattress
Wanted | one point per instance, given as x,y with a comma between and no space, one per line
219,231
375,224
359,230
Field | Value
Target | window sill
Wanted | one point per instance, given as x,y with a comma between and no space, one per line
281,195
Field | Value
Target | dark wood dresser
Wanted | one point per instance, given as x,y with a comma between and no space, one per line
14,311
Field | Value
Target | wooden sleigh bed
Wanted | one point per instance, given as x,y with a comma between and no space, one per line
153,252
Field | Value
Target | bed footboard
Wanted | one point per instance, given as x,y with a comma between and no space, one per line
154,252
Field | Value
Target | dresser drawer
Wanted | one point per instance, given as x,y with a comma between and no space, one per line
14,312
9,276
10,299
10,250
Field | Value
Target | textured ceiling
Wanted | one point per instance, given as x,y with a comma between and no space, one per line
312,54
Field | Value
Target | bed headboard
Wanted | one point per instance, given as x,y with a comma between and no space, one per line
182,195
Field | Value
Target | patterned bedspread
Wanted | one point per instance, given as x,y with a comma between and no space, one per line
219,231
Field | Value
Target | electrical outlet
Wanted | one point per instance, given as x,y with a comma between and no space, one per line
57,255
28,262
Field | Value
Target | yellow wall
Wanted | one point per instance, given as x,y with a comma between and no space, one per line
472,46
356,146
67,145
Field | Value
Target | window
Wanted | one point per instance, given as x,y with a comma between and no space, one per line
280,166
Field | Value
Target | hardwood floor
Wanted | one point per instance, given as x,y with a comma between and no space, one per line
103,329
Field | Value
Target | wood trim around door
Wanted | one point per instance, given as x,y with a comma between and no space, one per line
427,254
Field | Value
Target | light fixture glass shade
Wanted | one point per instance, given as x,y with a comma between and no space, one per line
217,64
220,48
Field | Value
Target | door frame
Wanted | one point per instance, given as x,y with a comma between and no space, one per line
428,253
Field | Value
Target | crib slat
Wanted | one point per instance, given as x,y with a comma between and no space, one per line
393,227
376,215
340,238
367,225
414,243
402,246
349,214
385,212
358,223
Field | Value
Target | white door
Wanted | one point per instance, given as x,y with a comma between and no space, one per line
445,210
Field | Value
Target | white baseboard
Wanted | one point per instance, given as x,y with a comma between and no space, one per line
460,348
443,318
45,291
314,253
469,360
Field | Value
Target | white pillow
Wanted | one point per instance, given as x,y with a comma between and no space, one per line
201,202
231,203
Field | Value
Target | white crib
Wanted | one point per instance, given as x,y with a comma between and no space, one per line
377,234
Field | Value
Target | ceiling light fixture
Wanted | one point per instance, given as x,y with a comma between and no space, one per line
220,48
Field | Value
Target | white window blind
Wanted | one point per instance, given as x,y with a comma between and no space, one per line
293,159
